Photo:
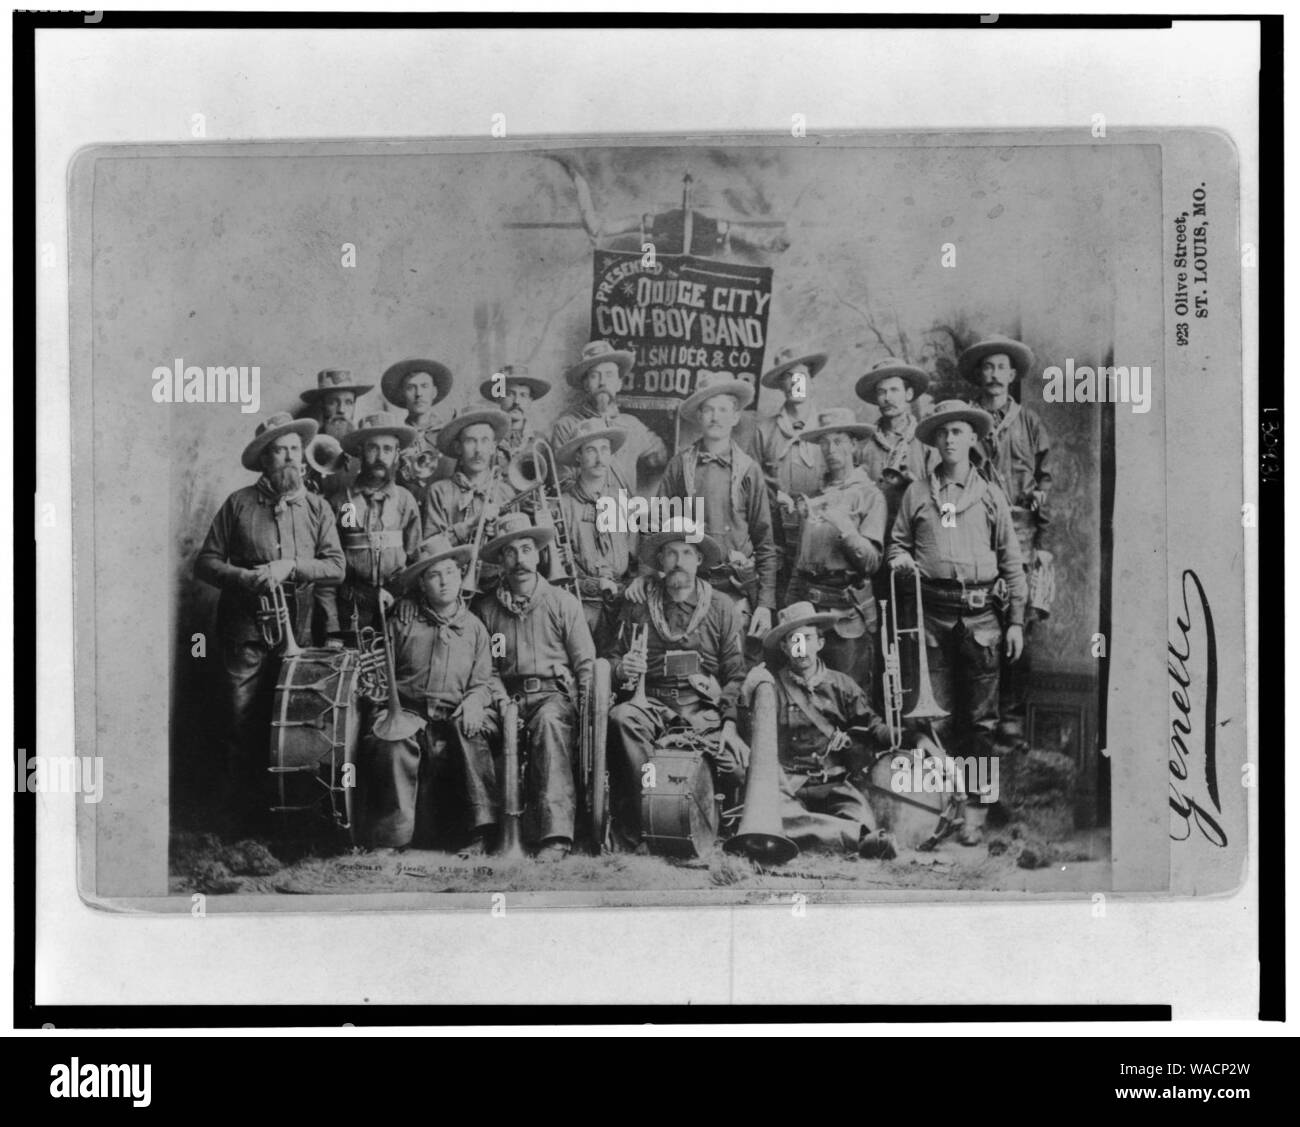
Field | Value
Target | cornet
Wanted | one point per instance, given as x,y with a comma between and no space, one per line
926,707
639,643
276,623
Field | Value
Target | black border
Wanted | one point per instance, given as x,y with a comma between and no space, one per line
26,1014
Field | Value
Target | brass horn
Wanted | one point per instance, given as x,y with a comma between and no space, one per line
325,455
761,833
528,467
276,622
926,706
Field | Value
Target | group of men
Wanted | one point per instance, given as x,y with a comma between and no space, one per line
803,523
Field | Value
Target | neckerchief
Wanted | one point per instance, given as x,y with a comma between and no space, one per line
898,445
448,624
787,438
280,501
740,463
512,603
1000,426
655,603
973,489
374,498
468,489
579,492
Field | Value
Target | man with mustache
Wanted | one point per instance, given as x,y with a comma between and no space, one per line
379,526
791,465
1016,450
891,454
271,532
734,495
419,386
455,504
440,784
335,399
955,528
545,659
600,375
605,556
514,391
692,662
841,546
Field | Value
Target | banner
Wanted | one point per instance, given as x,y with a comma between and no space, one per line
689,321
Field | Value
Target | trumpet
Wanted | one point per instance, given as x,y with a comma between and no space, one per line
926,707
276,623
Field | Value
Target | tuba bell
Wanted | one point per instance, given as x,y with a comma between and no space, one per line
325,455
761,834
528,467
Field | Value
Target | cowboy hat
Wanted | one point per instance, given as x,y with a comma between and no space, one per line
836,420
950,411
590,430
1022,359
431,551
598,352
739,390
393,379
375,425
498,420
918,379
516,526
512,374
271,428
680,529
786,359
790,619
333,379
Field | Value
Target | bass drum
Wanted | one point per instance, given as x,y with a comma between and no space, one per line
314,739
916,820
679,814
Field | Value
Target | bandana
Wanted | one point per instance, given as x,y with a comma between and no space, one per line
517,605
280,501
578,491
655,607
896,443
448,625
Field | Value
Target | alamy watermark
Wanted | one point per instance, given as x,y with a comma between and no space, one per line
192,384
975,776
1107,384
65,774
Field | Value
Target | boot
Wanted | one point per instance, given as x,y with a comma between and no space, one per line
972,824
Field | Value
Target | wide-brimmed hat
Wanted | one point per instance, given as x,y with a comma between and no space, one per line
742,392
392,379
498,420
680,529
918,379
374,425
598,352
1022,358
954,410
786,359
836,420
516,526
435,549
271,428
334,379
590,430
792,618
513,373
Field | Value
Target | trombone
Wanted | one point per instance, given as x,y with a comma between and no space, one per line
926,707
533,470
275,621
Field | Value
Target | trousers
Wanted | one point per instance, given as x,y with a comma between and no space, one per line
249,671
965,665
550,794
831,816
430,789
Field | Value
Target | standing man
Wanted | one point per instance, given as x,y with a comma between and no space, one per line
335,399
730,485
514,391
692,662
891,454
441,781
599,375
791,465
605,556
545,658
841,547
271,532
815,709
419,386
955,528
379,526
1016,450
455,504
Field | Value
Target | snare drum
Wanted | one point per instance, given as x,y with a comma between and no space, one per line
679,815
314,738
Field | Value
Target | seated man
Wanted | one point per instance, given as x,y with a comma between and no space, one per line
692,663
545,658
408,790
815,709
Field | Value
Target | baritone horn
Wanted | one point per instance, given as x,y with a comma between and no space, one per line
325,455
926,707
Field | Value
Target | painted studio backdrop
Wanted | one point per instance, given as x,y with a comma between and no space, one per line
299,263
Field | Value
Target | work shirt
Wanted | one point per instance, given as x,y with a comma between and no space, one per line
255,526
1018,446
823,550
454,505
839,700
598,554
716,639
641,443
980,547
788,463
893,460
391,512
736,510
442,661
544,636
